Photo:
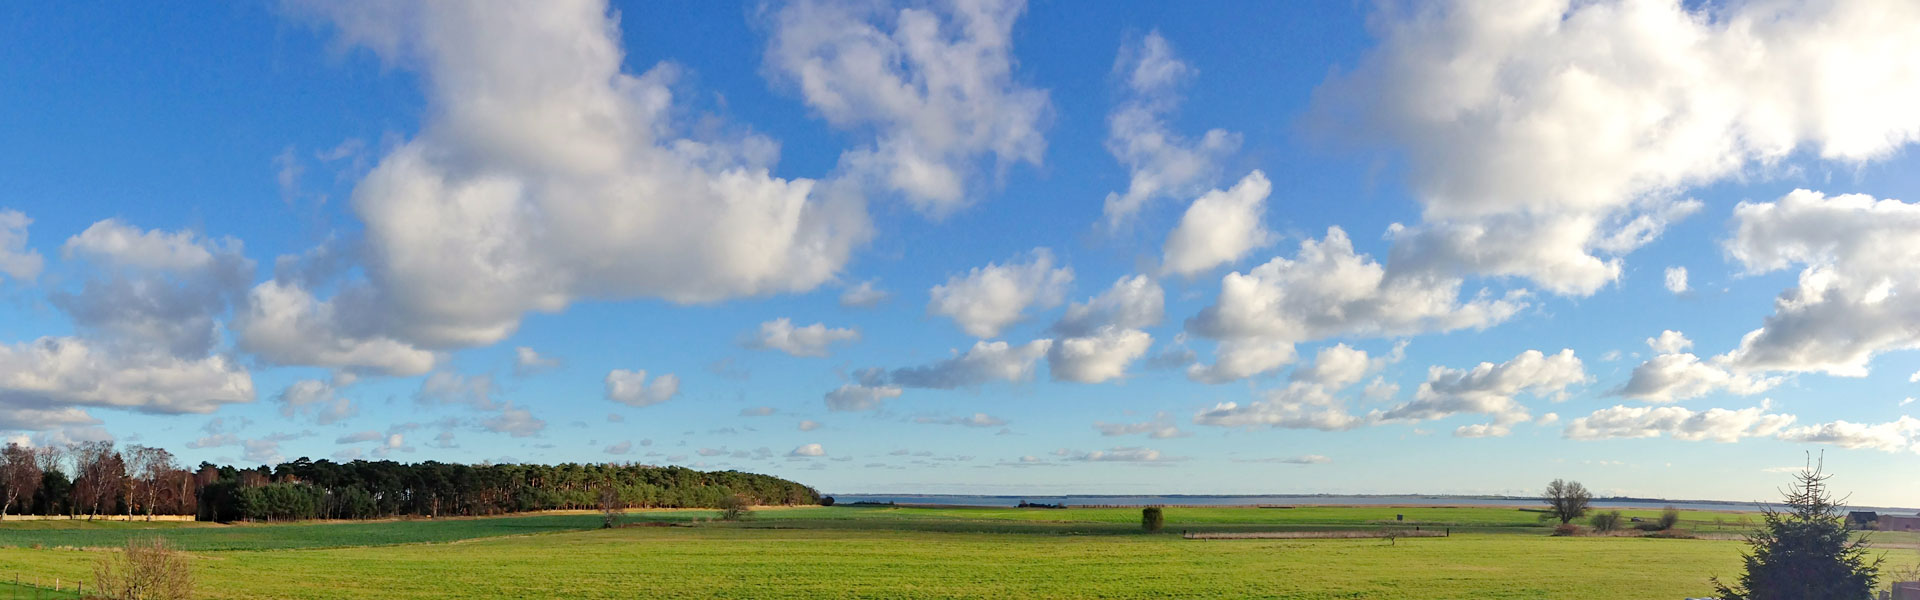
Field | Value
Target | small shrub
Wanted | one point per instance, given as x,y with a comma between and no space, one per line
1669,518
1607,522
1152,519
144,570
826,500
736,508
1566,530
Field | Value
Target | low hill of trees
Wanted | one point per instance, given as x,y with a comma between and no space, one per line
95,478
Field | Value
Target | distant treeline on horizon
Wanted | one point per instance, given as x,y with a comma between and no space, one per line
95,478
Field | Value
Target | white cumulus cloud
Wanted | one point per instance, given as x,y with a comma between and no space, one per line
1677,280
1161,163
812,340
1545,139
1857,281
16,260
632,389
1325,290
988,299
933,83
545,173
1220,227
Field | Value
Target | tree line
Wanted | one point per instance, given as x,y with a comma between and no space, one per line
95,478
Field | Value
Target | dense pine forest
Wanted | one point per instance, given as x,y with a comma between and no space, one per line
95,478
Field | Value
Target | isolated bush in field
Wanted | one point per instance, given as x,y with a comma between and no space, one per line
1669,518
826,500
1566,500
1152,519
144,570
1566,529
736,508
1806,552
1607,522
609,507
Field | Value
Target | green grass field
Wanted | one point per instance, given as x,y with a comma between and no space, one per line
864,552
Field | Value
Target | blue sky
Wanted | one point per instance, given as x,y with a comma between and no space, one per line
977,246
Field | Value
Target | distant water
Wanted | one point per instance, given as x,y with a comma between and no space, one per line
1286,500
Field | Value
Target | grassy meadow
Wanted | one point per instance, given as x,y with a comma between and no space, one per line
882,552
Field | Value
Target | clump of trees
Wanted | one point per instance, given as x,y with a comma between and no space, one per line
1805,551
1669,518
1152,519
1566,500
1607,522
144,570
96,478
736,508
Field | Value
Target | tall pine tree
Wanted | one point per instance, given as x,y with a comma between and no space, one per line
1806,552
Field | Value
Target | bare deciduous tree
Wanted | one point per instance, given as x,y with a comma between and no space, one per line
144,570
100,476
149,469
609,507
19,475
1567,500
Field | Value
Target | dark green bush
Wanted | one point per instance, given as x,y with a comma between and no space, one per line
1607,522
1152,519
1669,518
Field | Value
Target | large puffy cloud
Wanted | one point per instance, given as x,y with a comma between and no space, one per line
1099,357
1102,333
52,373
1717,424
1674,374
1161,162
988,299
1490,389
544,174
1855,295
16,260
1220,227
1327,290
631,387
148,316
1132,303
283,323
1544,139
1338,366
156,291
934,84
812,340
